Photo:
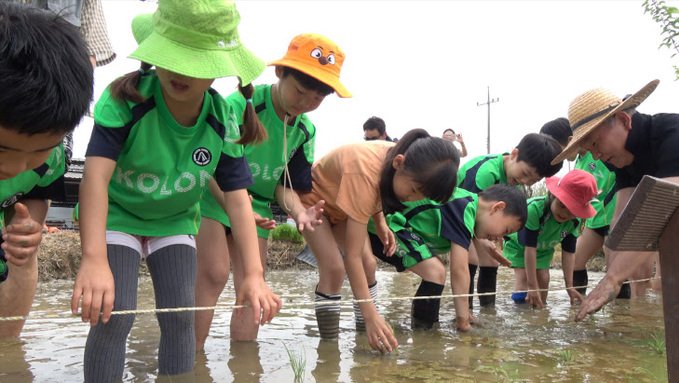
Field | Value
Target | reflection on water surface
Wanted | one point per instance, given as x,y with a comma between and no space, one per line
510,342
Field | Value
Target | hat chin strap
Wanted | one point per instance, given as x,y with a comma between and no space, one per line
286,176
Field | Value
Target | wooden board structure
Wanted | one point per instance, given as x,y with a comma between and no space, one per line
650,222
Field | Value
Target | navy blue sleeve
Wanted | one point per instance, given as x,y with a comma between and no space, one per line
528,238
108,142
452,222
233,173
55,191
300,171
568,243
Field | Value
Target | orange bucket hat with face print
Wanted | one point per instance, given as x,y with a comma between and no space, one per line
317,56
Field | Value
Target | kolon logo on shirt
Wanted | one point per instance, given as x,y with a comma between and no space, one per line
11,200
202,156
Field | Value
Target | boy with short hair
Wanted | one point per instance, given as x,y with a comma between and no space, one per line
47,84
426,229
528,163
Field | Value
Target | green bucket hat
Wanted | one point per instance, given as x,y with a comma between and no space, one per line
195,38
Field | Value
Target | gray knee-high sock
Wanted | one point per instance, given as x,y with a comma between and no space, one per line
105,348
327,314
360,322
173,270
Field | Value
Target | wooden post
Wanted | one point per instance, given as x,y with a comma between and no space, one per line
650,222
669,264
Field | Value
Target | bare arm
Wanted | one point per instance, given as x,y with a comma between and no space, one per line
289,201
567,265
385,234
622,265
254,290
530,259
459,282
378,331
94,281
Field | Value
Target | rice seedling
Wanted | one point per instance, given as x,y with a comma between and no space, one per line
656,340
567,356
298,363
502,374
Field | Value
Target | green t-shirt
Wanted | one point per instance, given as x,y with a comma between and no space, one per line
36,181
162,168
543,232
605,181
426,227
266,160
482,172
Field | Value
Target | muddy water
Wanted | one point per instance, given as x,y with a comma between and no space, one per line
510,343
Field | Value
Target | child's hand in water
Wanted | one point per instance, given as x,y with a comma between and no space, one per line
22,236
306,220
380,335
576,297
533,297
255,293
464,323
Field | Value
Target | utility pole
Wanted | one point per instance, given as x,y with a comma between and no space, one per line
488,102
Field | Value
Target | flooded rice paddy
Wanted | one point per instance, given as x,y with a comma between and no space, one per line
509,343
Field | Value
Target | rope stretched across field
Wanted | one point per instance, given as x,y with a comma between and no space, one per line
294,305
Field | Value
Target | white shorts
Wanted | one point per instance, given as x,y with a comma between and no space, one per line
148,245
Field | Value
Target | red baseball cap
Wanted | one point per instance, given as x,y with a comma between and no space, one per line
577,190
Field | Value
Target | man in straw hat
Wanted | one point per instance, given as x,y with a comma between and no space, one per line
635,144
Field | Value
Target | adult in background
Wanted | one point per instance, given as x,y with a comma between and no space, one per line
635,144
375,128
450,135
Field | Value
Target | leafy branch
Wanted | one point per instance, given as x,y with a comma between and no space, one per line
668,18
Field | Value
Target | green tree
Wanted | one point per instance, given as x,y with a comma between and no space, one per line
668,18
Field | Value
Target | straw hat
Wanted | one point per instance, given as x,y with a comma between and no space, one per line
576,190
593,107
317,56
195,38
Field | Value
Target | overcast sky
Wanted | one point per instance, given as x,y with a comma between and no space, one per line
426,64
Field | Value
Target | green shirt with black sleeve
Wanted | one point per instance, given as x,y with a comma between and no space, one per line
481,172
425,227
543,232
267,160
162,168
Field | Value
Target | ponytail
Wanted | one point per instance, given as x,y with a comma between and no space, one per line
125,88
253,131
430,161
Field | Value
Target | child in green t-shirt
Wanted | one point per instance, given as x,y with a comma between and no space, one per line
281,167
596,228
45,89
552,219
525,165
161,138
427,229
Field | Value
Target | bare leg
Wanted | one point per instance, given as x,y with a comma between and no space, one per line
543,283
244,328
213,273
589,243
643,272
